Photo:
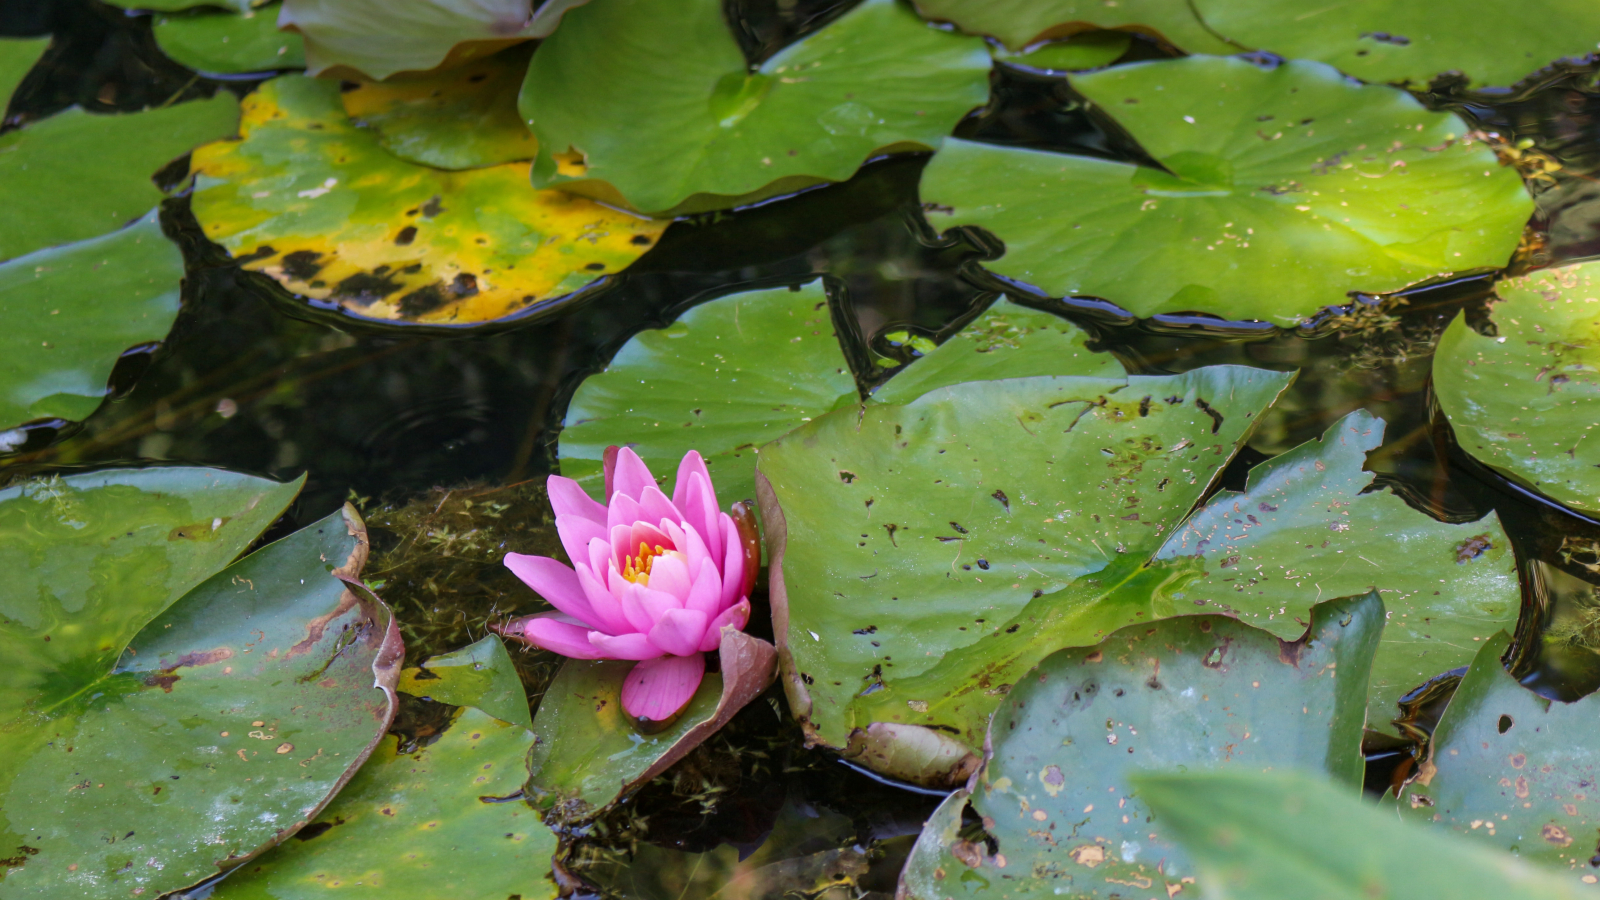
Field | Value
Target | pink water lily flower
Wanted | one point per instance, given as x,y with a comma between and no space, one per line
652,579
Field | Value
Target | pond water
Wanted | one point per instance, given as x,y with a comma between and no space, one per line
406,421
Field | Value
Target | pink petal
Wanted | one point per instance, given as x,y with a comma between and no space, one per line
691,546
680,631
548,633
733,566
600,554
608,463
736,615
607,609
633,610
659,689
700,511
669,575
692,463
623,646
648,605
567,498
576,532
706,593
632,476
555,583
624,510
644,533
654,506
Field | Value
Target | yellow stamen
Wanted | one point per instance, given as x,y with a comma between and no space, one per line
637,568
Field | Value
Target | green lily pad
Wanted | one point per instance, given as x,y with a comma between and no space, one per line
927,536
480,675
360,39
465,118
1005,341
1018,23
1526,402
431,822
1302,530
587,753
705,131
59,171
227,724
1405,43
1194,692
1086,50
228,43
1270,835
317,204
17,58
1512,769
726,377
72,311
1285,190
93,558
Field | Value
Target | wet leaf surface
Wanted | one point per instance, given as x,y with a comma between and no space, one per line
93,558
1085,50
1397,42
480,675
316,203
728,376
17,56
437,822
1200,692
914,547
1527,402
463,118
1269,835
228,723
58,170
1005,341
1290,189
707,132
358,39
1512,769
587,752
225,43
1302,530
71,311
1018,23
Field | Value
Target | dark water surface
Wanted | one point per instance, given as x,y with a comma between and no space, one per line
253,380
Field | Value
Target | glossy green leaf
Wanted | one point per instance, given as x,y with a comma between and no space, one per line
587,753
426,824
1018,23
58,169
1303,530
226,726
17,57
726,377
480,675
705,131
1399,42
71,311
1087,50
317,204
228,43
380,38
1005,341
1285,190
1271,835
91,559
465,118
914,546
1512,769
1527,401
1194,692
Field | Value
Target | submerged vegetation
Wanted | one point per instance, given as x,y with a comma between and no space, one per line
1116,447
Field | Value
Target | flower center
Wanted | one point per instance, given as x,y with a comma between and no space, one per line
636,568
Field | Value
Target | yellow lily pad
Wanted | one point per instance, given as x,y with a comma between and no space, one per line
459,119
315,202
